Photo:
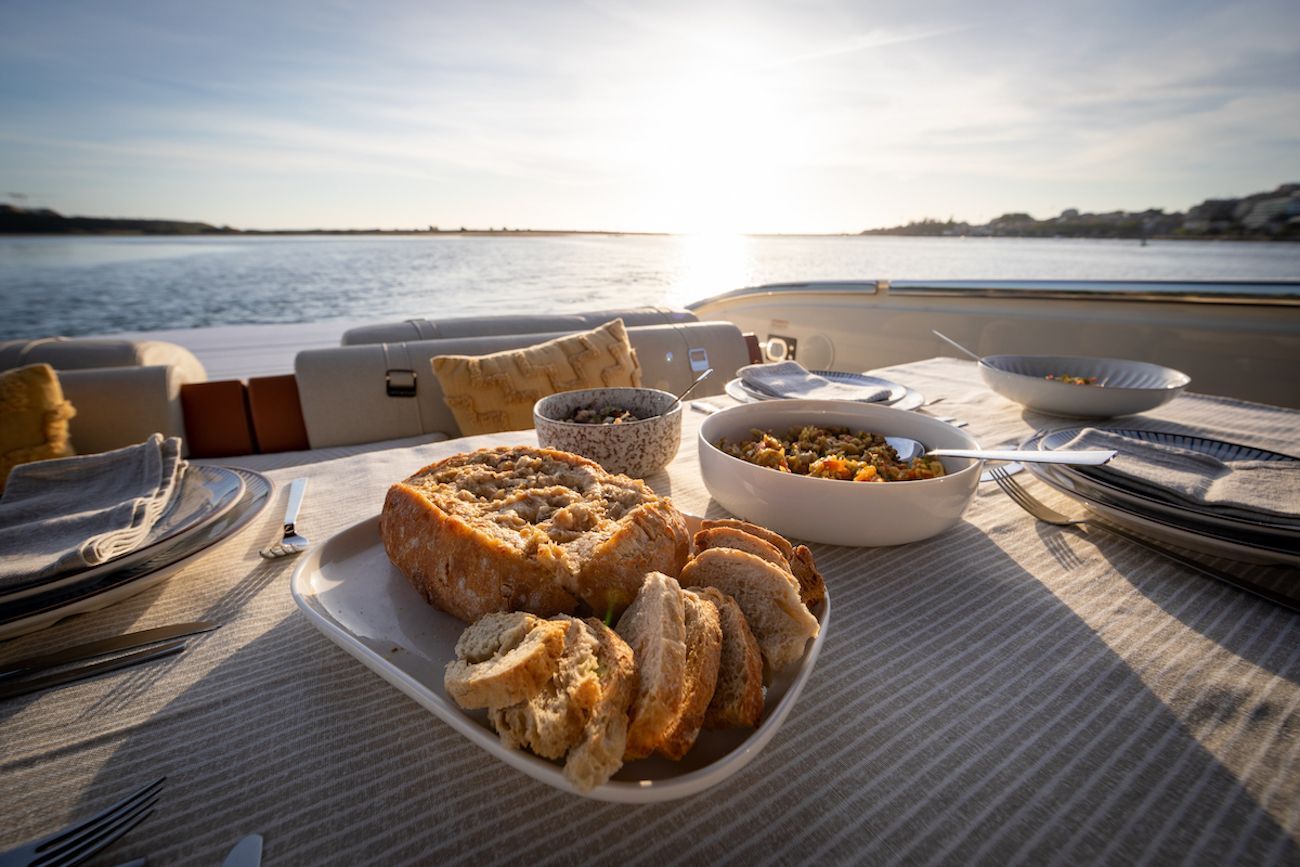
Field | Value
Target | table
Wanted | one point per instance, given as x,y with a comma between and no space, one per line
1008,691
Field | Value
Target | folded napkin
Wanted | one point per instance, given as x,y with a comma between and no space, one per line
790,379
1252,490
72,513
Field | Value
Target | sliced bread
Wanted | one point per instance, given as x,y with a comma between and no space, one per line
703,656
599,751
812,587
503,659
551,721
780,621
738,694
654,626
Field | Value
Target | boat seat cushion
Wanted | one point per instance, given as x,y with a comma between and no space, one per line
369,393
33,418
510,323
122,406
496,392
63,353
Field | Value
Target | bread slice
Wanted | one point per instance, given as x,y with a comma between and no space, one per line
519,528
741,540
703,656
550,721
502,659
580,714
780,621
738,694
654,626
812,586
599,751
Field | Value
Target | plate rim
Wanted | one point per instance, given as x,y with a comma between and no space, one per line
542,770
93,600
1142,499
910,400
13,593
1162,530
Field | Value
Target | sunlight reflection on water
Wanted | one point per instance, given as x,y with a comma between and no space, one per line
91,285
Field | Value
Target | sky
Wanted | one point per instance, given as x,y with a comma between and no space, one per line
821,117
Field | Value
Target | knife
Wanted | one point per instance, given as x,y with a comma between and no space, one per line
22,687
91,649
247,853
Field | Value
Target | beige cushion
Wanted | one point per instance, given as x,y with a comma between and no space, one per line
122,406
80,353
33,418
490,393
510,323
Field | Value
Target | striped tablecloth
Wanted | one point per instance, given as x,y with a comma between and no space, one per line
1008,692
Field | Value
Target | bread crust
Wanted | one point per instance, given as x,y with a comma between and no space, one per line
464,533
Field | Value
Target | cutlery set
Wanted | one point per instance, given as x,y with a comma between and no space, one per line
23,676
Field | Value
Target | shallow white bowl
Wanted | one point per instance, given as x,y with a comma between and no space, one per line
828,510
1123,387
634,448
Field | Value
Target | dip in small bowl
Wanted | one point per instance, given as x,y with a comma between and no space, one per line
625,430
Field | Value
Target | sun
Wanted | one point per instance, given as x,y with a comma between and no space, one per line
714,148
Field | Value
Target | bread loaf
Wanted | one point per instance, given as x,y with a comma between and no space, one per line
519,528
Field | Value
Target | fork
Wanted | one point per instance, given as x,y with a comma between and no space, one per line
78,842
1048,515
292,542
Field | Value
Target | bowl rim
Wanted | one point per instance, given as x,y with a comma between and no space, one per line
1176,379
976,464
676,410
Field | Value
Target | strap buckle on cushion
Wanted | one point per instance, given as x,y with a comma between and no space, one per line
400,382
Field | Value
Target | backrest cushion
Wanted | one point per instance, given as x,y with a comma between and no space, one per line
496,392
33,418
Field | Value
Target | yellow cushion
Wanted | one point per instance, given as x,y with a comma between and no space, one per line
490,393
33,417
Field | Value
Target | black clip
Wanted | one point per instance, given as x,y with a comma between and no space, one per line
403,387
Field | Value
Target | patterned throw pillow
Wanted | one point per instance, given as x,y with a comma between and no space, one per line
490,393
33,418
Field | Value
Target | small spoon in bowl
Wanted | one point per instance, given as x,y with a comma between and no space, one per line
703,376
909,449
952,342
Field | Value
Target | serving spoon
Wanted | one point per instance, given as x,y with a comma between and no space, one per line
908,449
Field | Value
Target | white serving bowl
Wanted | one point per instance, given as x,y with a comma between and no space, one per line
828,510
1123,387
634,448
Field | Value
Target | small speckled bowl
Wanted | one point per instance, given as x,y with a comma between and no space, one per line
635,448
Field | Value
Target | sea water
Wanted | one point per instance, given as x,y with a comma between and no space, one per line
75,285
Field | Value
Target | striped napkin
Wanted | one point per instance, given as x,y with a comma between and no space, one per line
791,379
1247,489
68,514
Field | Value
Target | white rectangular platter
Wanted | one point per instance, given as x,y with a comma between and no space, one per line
351,592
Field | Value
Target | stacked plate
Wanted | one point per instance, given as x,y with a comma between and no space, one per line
211,504
1257,536
895,395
